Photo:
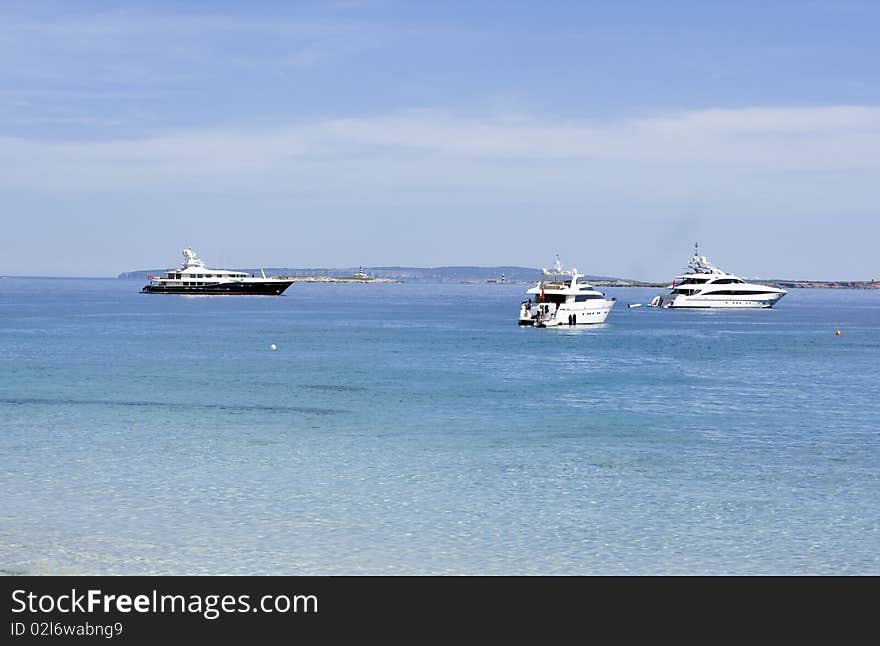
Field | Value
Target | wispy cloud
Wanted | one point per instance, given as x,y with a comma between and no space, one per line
785,153
132,33
126,51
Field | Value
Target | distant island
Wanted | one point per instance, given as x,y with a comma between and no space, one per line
824,284
340,279
462,274
469,274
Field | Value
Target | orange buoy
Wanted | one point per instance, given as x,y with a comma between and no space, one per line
836,332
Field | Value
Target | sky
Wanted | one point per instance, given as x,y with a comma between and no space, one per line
377,133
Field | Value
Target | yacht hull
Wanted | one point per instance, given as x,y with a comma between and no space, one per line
267,288
707,302
565,315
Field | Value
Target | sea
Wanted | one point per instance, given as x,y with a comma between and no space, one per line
409,429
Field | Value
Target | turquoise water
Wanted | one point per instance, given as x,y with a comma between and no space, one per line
416,429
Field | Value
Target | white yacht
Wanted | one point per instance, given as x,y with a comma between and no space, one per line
194,278
559,299
705,285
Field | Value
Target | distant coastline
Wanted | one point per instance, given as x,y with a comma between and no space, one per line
343,279
824,284
484,275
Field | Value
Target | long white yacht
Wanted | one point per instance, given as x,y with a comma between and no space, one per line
194,278
559,299
705,285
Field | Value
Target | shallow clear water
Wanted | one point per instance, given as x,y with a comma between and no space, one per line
413,429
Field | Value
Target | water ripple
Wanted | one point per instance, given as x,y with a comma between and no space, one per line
307,410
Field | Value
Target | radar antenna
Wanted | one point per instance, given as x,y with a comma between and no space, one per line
700,264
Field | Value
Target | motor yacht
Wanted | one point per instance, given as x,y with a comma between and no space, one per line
705,285
560,298
194,278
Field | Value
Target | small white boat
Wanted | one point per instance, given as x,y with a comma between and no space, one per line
559,299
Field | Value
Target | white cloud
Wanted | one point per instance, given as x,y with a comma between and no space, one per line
791,154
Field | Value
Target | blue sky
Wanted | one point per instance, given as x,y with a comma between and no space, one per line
378,133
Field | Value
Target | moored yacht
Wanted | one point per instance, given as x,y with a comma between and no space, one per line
194,278
559,299
705,285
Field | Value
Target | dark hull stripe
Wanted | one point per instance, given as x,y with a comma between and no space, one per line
223,289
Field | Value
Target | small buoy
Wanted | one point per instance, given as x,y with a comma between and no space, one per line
836,332
273,347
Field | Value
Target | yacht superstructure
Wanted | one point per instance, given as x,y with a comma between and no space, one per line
194,278
705,285
559,299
